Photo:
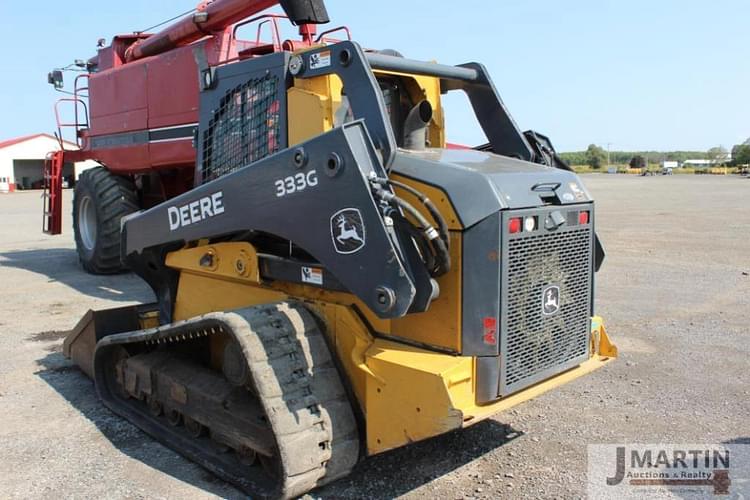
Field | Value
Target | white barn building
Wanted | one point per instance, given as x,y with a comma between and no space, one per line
22,162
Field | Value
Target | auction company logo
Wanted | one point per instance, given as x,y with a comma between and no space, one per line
665,470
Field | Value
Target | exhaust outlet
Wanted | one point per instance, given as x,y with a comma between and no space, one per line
415,126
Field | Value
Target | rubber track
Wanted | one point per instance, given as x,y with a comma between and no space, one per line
295,380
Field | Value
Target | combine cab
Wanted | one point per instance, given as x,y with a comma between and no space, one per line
332,281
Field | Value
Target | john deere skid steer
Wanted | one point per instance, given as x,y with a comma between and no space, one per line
339,283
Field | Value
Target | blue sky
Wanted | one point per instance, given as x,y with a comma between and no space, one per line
659,74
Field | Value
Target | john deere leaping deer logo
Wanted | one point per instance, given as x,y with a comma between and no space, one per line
348,231
551,300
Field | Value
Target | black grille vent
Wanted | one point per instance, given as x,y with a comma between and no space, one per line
536,346
244,129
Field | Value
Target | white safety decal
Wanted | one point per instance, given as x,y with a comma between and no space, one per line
312,275
577,191
320,60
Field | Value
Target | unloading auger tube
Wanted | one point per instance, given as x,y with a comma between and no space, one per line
277,423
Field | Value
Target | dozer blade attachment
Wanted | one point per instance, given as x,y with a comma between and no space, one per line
80,343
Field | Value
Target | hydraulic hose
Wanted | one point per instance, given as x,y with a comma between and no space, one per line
429,233
428,204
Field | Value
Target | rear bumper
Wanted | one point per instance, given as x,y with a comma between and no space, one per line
414,394
474,414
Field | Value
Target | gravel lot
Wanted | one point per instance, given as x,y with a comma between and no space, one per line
674,292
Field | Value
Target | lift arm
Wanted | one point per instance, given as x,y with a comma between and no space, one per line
317,196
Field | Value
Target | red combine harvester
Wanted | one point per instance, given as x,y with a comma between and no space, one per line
136,108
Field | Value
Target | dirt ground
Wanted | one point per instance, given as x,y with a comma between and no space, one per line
674,291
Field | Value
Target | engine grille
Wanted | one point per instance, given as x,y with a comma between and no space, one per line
243,129
536,345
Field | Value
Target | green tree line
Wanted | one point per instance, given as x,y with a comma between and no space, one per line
741,154
624,157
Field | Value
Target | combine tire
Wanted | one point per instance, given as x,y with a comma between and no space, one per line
101,199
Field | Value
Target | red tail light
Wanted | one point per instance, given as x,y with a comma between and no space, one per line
514,226
583,218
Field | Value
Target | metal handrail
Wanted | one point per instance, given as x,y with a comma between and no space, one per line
322,37
76,124
266,18
77,100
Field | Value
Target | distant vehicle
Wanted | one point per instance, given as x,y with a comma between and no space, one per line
667,171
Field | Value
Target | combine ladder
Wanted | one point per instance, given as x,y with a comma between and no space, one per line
53,180
55,161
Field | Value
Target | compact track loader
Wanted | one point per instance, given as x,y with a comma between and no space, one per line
337,281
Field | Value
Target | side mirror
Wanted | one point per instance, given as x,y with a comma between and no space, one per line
55,78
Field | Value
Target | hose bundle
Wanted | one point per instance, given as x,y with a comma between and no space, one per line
433,243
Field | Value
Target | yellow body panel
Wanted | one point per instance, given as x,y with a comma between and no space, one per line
419,394
313,103
440,326
406,393
350,338
198,295
410,398
435,194
220,286
232,261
